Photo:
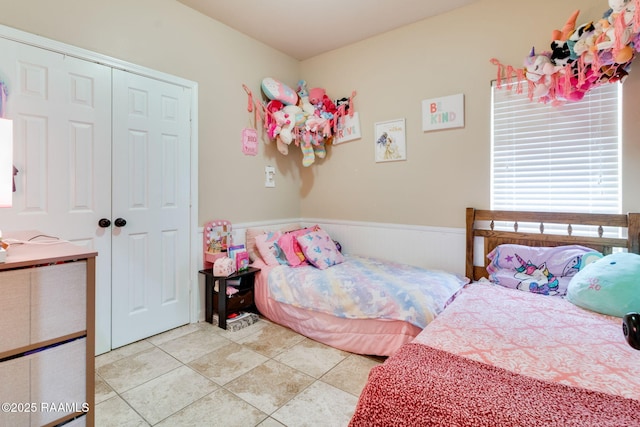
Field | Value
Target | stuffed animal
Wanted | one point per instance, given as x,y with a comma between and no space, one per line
308,156
539,69
581,39
328,108
276,90
293,116
281,119
274,122
573,89
315,96
560,51
609,285
317,126
303,96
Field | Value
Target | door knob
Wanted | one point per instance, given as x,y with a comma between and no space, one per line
120,222
104,223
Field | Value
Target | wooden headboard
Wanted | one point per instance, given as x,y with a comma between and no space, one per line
481,223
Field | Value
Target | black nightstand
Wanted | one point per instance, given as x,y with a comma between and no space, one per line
223,306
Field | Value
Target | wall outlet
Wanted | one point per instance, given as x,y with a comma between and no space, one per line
269,176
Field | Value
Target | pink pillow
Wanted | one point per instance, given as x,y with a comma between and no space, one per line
290,247
266,244
319,249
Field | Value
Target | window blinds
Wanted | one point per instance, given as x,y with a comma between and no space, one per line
563,158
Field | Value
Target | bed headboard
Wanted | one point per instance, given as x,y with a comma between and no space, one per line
481,223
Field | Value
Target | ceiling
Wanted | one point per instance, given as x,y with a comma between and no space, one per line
306,28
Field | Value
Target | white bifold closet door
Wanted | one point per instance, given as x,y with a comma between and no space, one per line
93,143
150,253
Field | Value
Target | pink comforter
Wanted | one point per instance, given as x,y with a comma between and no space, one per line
381,337
422,386
540,336
575,362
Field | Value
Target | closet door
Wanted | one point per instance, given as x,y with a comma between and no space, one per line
151,195
61,109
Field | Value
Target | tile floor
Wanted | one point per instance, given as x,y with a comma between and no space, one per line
199,375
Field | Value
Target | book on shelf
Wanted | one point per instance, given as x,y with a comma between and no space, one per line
233,250
242,261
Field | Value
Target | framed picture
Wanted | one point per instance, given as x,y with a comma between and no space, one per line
390,141
348,129
443,113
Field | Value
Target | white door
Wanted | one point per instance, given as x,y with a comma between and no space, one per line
62,112
150,213
61,108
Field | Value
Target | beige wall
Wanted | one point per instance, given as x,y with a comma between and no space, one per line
446,170
392,73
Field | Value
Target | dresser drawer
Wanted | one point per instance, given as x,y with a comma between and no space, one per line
14,389
14,308
58,379
58,300
54,376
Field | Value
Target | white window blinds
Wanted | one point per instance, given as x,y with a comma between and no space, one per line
563,158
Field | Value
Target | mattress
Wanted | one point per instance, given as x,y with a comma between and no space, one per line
381,337
544,337
499,356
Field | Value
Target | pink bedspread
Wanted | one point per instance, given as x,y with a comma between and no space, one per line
380,337
423,386
543,337
546,342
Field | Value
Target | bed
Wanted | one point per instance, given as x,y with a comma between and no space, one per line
502,357
361,305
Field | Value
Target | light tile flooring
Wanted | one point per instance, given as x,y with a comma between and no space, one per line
200,375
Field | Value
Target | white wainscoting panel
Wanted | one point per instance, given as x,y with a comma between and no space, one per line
437,248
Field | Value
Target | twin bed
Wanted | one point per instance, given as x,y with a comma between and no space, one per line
486,354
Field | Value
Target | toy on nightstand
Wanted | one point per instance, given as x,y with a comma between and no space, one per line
216,239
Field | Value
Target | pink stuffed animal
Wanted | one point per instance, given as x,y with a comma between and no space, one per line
315,96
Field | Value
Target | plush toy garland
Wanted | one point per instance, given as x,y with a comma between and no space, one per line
306,117
580,58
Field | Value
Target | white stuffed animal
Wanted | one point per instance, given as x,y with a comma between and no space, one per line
292,113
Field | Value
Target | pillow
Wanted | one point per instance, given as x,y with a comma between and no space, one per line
290,247
252,233
266,244
611,285
542,270
250,242
319,249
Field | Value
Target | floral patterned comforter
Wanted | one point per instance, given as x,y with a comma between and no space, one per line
365,288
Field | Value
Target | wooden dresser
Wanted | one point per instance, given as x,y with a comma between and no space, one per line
47,324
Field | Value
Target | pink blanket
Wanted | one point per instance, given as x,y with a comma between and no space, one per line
424,386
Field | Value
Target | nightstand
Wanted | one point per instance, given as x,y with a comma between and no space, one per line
232,303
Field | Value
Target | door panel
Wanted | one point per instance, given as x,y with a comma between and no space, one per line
63,149
61,107
151,148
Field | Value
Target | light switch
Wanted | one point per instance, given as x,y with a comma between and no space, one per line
269,176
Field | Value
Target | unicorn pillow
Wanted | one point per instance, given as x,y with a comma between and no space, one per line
541,270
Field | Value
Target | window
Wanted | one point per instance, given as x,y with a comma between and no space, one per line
563,158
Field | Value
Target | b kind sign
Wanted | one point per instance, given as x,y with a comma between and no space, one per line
443,113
